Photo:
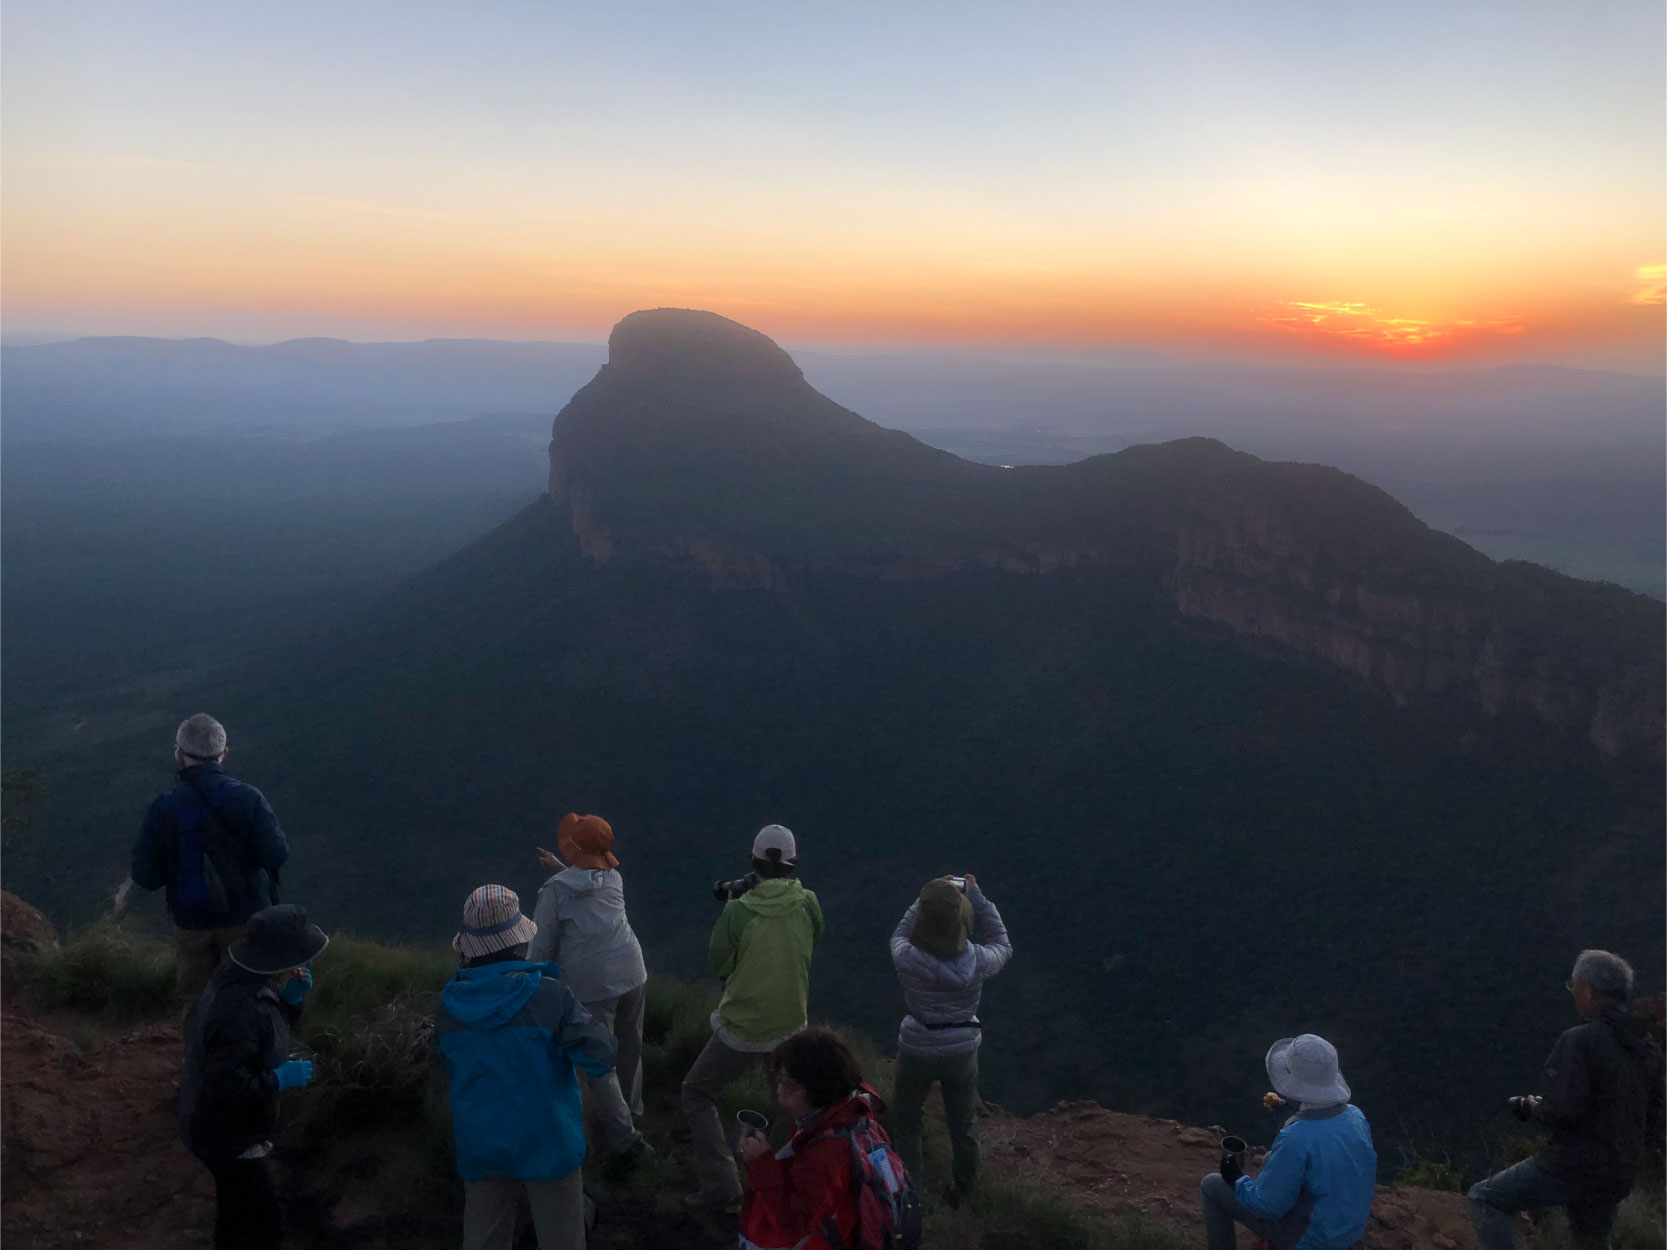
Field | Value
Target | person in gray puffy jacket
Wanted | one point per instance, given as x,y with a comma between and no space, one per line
943,973
582,926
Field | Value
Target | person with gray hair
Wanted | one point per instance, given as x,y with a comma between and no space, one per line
1600,1100
213,843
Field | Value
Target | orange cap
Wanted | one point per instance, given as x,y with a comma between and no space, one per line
584,841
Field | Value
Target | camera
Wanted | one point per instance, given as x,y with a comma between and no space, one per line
723,891
1521,1108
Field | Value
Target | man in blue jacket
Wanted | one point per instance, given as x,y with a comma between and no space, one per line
214,844
1315,1188
510,1033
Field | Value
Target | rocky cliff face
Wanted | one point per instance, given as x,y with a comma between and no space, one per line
700,449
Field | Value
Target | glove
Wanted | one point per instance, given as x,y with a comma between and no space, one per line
1230,1169
1521,1108
295,989
293,1073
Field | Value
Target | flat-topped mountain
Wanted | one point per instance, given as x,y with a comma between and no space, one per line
700,447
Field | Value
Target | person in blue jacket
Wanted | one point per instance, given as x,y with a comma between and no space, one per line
510,1033
1315,1189
214,844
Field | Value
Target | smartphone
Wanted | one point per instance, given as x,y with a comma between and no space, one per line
960,883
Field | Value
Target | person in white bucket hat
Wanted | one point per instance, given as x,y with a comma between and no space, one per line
1315,1188
510,1033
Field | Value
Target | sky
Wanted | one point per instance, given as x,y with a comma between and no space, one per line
1447,183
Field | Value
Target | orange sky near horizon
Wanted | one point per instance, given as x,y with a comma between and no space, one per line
317,206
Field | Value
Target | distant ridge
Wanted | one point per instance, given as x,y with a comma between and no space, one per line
699,446
103,388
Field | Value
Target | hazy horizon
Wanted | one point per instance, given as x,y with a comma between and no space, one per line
1111,355
1480,185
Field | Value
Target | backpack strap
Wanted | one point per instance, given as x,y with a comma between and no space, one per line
231,840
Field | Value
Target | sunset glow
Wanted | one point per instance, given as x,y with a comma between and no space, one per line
1064,177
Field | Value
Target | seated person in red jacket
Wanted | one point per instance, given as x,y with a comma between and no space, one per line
802,1195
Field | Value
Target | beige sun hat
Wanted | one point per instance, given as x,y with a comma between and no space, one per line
492,921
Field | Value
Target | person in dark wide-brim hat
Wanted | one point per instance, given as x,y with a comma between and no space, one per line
237,1062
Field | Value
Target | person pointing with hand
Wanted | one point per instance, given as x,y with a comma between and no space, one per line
582,926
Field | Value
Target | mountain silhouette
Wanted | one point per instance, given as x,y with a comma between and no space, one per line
700,445
1241,748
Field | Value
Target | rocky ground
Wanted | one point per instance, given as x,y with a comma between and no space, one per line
92,1157
1132,1163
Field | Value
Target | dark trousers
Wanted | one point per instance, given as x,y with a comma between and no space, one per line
1495,1202
1222,1210
957,1075
245,1204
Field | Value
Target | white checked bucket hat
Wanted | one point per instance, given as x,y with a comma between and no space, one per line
1304,1069
492,921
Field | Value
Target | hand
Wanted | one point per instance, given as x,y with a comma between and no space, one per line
1230,1169
1272,1101
1523,1108
752,1146
294,1073
550,860
295,989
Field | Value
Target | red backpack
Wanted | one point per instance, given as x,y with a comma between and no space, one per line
888,1210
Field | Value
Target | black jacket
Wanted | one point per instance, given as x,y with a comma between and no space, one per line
1600,1095
228,1096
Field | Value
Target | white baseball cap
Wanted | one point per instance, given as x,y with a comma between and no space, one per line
775,842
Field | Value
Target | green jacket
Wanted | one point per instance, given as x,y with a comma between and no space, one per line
761,945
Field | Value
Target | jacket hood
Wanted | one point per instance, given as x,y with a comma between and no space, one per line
580,880
864,1102
774,896
488,996
1629,1030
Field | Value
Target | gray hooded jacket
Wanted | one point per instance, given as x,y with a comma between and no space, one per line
946,991
582,925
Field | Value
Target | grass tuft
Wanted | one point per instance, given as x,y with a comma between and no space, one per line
1639,1225
1009,1211
356,982
108,970
1434,1174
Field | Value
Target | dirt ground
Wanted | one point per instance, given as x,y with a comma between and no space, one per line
92,1154
1132,1163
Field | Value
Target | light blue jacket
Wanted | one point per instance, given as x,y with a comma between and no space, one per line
510,1034
1330,1154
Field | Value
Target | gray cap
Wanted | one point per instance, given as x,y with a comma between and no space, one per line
775,842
